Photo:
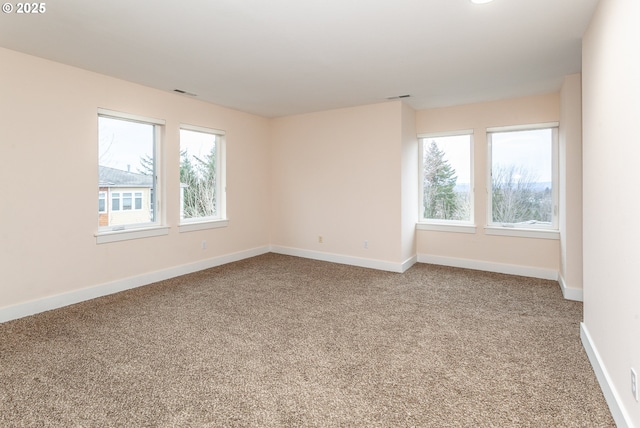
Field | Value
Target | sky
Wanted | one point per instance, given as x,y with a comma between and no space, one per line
123,143
457,152
530,149
196,144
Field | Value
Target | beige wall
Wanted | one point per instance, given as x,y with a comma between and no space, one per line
49,134
409,184
526,252
337,174
348,175
571,183
611,152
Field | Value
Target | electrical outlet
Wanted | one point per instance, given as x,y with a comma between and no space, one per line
203,244
366,244
320,240
634,384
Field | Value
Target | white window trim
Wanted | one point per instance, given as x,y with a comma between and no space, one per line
128,116
522,232
103,193
456,226
221,220
532,231
134,198
202,225
123,197
448,227
118,198
445,134
128,234
202,129
530,127
140,230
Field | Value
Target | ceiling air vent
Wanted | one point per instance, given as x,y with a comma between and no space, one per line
397,97
180,91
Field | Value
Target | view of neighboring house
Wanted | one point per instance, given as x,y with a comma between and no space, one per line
124,197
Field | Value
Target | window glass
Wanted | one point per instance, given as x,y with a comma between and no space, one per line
522,178
138,201
127,167
126,201
446,178
200,175
115,201
102,206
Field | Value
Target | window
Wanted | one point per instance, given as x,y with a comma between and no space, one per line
523,177
102,202
115,201
201,175
126,201
128,169
138,201
446,185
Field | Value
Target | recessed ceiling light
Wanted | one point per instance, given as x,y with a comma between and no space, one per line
480,1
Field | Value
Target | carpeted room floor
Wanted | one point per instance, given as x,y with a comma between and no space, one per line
279,341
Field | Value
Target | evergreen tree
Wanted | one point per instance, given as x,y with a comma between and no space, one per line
440,199
188,180
198,179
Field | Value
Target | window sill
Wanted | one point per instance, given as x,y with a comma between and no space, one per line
523,233
125,235
441,227
203,225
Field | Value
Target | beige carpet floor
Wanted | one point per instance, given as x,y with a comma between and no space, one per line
278,341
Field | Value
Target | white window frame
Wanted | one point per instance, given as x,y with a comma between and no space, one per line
130,198
220,220
456,226
115,233
134,199
113,196
541,231
103,195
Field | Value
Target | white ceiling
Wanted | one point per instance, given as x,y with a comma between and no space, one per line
282,57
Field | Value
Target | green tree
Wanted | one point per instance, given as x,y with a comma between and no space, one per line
440,199
188,182
515,198
198,181
146,165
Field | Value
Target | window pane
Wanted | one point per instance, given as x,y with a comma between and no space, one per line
447,178
127,163
521,177
198,175
101,202
126,201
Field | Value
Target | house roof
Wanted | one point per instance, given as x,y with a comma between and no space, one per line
112,177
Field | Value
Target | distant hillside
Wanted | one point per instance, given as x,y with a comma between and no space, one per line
539,187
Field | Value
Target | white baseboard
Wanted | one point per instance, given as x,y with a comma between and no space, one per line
616,406
346,260
570,293
54,302
531,272
409,262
